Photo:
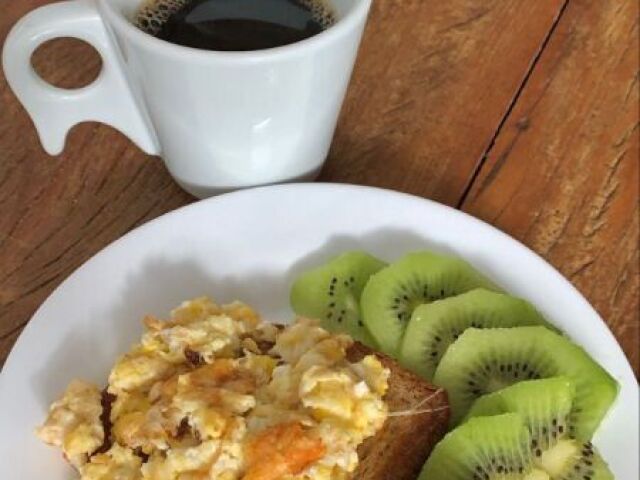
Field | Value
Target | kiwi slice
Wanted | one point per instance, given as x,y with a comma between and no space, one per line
331,293
482,361
392,294
434,326
545,406
484,448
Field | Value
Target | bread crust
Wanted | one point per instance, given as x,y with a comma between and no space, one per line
400,448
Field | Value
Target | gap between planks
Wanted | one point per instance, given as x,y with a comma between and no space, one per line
510,107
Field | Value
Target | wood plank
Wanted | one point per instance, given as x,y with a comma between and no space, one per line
430,89
432,82
563,173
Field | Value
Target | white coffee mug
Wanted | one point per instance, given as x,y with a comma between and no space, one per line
220,120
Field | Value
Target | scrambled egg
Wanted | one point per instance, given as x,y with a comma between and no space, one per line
74,422
215,393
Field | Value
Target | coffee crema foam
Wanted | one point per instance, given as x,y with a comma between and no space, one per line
153,14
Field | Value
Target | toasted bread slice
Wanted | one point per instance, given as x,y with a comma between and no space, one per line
398,451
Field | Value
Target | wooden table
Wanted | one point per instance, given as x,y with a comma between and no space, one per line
523,113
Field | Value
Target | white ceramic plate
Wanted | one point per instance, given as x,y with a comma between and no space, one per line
249,245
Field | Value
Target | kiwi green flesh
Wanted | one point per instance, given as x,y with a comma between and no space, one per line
484,448
434,326
392,294
482,361
545,406
331,293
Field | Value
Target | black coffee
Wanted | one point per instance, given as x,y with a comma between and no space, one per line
234,25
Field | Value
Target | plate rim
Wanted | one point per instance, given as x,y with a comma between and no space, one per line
202,204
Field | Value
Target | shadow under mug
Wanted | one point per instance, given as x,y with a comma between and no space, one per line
220,120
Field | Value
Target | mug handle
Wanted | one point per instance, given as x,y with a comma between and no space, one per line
108,99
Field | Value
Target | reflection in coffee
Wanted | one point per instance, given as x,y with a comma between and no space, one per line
234,25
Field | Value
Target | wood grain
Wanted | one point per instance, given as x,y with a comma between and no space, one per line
432,82
563,175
